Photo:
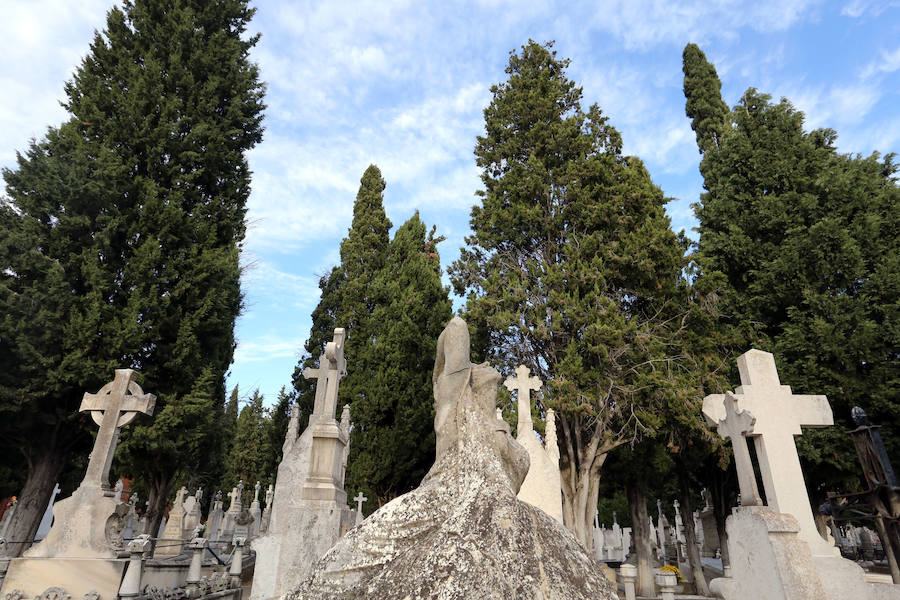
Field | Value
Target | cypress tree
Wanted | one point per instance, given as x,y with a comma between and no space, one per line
134,212
705,108
804,243
392,441
572,268
345,300
250,456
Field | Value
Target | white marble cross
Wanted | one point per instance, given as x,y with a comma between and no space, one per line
114,406
359,502
779,416
332,367
734,427
524,384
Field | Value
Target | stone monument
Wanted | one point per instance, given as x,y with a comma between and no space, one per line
173,536
309,508
775,550
542,487
80,549
462,533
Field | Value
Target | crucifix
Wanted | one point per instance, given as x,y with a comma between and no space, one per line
332,367
359,502
113,407
524,384
779,416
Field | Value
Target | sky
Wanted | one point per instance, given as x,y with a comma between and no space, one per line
403,83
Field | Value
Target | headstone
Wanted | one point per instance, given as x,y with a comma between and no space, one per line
47,519
309,509
234,509
191,513
542,487
214,520
82,525
81,547
120,487
462,533
359,499
173,537
776,551
255,512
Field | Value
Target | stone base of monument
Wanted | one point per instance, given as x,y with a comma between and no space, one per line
77,576
769,560
284,559
88,524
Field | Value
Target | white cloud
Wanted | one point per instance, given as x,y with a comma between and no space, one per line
857,8
888,63
267,347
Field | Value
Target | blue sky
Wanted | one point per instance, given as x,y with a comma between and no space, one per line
402,84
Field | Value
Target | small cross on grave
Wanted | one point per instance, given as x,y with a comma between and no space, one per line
524,384
359,502
734,427
332,367
779,416
113,407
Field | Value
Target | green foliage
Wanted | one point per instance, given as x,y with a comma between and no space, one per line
345,300
250,457
124,230
703,90
392,441
804,244
572,267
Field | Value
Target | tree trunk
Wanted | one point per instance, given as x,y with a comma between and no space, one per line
721,510
43,472
640,536
580,504
159,499
690,536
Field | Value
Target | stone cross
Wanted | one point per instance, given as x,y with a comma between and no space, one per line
734,427
332,367
293,427
256,493
235,504
779,416
359,502
113,407
524,384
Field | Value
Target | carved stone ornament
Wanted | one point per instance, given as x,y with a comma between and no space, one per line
54,593
14,595
115,525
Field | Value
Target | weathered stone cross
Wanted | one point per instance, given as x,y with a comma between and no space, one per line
779,416
332,367
733,427
359,502
113,407
524,384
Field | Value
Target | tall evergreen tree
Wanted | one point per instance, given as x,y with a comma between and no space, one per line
572,268
128,219
806,245
345,300
250,458
392,441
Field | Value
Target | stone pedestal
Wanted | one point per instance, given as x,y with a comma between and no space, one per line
710,544
88,525
77,576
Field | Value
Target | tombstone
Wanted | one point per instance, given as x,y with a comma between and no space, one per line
542,487
191,513
131,521
173,536
775,549
255,512
81,547
234,509
309,510
214,520
359,499
120,487
462,533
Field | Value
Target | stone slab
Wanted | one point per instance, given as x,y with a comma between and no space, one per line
78,576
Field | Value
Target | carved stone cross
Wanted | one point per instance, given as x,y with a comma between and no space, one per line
779,416
734,427
113,407
359,502
524,384
332,367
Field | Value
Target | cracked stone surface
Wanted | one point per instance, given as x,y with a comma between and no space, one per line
462,533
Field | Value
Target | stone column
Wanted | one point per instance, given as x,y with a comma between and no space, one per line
197,546
628,575
237,562
131,583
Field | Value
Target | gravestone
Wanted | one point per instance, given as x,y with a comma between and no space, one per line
173,537
309,506
359,499
267,511
234,509
542,487
79,552
462,533
775,550
255,512
191,514
214,520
